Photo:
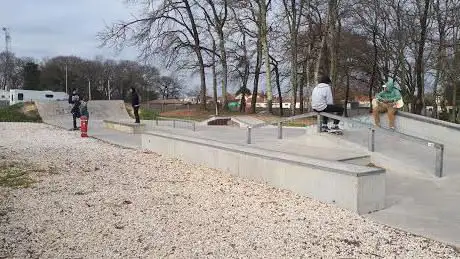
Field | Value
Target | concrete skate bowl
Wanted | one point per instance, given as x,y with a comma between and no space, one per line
57,113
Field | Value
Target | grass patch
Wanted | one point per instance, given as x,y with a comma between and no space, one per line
197,114
15,175
21,112
144,114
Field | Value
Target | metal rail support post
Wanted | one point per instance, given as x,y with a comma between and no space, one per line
174,123
280,130
194,126
371,141
439,159
318,123
248,140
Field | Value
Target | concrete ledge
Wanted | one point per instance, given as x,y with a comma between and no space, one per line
357,188
134,128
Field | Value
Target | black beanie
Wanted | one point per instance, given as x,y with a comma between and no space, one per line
325,80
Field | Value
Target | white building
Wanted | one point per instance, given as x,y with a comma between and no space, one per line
19,96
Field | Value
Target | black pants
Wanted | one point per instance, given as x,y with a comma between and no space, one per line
136,114
75,116
331,108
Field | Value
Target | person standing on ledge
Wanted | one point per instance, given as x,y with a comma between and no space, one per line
135,104
322,101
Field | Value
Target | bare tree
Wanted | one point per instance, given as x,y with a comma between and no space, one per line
423,7
167,29
218,18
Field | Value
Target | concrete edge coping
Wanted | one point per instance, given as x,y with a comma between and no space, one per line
234,119
429,120
131,124
331,166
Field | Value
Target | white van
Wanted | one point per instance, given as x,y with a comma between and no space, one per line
19,96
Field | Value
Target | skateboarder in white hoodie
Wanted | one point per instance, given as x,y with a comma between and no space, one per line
321,101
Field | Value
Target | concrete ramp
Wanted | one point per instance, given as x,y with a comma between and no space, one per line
405,154
58,113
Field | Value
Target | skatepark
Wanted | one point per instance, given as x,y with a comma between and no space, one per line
406,179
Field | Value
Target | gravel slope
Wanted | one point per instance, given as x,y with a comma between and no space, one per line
105,201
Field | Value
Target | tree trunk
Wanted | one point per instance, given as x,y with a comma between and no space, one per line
243,103
293,71
374,66
419,66
214,77
223,54
347,94
439,77
320,61
198,53
278,85
301,87
256,77
264,32
455,75
334,41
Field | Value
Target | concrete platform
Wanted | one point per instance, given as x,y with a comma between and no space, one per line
124,126
357,188
423,206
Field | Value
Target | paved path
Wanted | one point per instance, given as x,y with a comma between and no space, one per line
424,206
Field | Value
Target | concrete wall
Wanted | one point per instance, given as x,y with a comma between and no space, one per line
357,188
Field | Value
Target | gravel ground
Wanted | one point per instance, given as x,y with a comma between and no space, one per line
100,200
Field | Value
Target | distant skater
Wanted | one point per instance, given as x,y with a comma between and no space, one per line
135,104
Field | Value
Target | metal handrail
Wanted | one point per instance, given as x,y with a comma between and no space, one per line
372,129
383,130
296,117
178,120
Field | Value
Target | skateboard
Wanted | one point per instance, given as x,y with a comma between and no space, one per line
72,129
335,131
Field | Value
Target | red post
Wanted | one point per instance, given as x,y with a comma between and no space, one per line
84,126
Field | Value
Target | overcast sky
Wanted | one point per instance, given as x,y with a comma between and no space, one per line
47,28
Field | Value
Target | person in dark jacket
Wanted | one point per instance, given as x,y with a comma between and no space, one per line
75,100
135,104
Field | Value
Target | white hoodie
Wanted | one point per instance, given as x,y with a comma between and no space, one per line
321,97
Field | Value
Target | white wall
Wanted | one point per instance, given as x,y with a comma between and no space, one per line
19,95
